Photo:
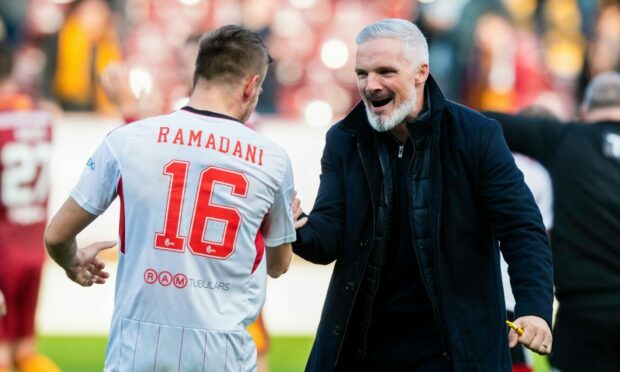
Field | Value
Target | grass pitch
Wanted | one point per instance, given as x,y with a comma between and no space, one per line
85,353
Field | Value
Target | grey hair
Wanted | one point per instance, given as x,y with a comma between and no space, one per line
603,91
409,34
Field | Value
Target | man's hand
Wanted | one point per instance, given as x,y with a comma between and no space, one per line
115,83
297,212
86,269
2,305
536,334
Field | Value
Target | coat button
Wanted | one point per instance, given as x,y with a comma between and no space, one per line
349,286
337,331
364,243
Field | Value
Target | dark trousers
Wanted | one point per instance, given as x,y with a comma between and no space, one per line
436,364
395,349
586,341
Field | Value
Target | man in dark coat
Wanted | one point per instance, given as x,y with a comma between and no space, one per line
416,193
583,160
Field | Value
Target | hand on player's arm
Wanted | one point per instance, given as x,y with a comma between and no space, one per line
536,334
81,265
298,212
2,305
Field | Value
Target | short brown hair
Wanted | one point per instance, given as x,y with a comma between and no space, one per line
230,53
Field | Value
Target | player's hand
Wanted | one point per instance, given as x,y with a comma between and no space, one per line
86,269
536,334
115,83
2,305
297,212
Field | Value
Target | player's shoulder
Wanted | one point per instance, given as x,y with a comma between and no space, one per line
264,141
126,129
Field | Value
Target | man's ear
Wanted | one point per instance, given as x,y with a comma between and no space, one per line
422,74
250,87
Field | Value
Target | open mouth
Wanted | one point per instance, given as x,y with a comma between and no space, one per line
380,102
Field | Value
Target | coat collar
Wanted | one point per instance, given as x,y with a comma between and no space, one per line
357,122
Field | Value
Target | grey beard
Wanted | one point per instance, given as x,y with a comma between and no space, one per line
387,123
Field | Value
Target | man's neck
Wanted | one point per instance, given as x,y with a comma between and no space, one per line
400,132
215,100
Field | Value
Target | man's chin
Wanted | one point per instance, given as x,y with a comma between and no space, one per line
380,123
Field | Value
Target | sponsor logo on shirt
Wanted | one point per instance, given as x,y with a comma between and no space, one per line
90,164
165,278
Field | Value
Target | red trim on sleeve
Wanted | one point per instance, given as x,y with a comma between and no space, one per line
259,243
121,222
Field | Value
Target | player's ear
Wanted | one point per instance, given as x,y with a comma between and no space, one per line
250,87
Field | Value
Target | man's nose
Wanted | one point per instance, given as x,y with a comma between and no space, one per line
373,83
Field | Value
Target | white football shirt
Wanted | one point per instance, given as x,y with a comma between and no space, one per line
195,188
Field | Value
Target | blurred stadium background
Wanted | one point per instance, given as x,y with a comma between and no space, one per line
488,54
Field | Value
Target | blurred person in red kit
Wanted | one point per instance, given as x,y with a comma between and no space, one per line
25,135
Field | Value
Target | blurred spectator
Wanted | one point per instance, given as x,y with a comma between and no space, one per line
603,53
583,160
11,18
85,45
25,135
503,66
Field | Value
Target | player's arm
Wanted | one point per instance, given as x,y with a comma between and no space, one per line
92,195
532,136
278,227
279,259
81,265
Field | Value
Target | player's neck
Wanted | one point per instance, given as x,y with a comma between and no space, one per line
216,100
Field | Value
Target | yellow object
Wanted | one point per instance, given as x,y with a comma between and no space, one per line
518,329
259,334
37,363
80,60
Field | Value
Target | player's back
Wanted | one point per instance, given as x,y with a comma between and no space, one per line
25,136
194,188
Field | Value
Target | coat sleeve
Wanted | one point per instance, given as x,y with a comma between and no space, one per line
511,212
321,238
534,137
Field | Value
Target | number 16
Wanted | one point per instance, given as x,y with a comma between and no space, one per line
204,210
